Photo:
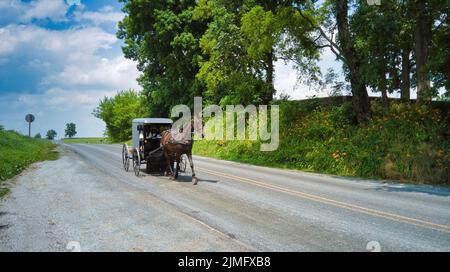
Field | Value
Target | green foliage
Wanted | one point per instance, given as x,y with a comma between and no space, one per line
440,51
163,38
18,151
38,136
51,134
71,130
410,144
241,44
261,30
118,112
213,47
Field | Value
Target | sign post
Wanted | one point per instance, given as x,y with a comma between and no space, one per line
30,119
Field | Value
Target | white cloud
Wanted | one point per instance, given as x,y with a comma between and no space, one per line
73,53
286,77
117,73
104,15
63,100
23,12
72,42
287,82
77,67
46,9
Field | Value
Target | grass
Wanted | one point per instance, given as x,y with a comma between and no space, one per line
17,152
86,141
410,144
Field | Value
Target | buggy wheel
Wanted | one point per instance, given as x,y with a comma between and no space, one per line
136,162
125,158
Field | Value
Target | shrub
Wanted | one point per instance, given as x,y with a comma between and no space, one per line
411,143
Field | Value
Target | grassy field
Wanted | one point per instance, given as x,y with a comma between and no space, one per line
86,141
17,152
411,143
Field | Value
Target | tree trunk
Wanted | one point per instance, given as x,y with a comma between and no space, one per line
360,98
270,71
422,38
405,93
361,104
383,85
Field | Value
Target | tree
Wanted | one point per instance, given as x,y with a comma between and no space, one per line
329,18
163,38
422,36
376,29
70,130
38,136
225,67
439,50
390,34
242,42
51,134
405,42
118,112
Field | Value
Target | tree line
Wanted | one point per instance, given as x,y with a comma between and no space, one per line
225,50
70,131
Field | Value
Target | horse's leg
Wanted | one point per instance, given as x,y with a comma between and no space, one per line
177,160
169,164
191,163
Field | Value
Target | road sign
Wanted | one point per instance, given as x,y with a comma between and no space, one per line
30,119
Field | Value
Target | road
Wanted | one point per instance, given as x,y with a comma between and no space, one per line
86,197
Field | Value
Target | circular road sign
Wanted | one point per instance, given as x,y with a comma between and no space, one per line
29,118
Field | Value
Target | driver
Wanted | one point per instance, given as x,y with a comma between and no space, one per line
153,133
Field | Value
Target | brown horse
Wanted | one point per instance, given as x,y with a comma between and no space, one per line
175,144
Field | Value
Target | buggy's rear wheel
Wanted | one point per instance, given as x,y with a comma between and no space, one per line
125,158
136,162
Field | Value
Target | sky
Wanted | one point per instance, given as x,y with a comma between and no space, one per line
58,58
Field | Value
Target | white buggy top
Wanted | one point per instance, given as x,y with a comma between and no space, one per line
146,122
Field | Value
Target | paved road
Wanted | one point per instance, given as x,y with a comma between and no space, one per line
234,207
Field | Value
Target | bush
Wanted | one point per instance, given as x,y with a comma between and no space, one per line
18,151
119,111
411,143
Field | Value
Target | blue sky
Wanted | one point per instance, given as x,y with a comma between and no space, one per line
58,58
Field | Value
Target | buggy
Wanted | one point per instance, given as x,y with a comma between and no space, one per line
146,146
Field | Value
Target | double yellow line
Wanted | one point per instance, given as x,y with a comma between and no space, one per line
335,203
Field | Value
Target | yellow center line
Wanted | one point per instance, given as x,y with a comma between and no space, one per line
348,206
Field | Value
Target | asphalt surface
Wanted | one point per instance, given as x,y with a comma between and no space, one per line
86,201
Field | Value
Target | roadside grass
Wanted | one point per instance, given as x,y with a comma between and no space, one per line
17,152
87,141
410,144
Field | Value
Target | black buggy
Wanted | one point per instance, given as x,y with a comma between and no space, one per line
146,146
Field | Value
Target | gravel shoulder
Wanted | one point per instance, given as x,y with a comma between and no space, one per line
55,203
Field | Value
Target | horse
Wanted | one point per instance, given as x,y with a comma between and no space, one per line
175,144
